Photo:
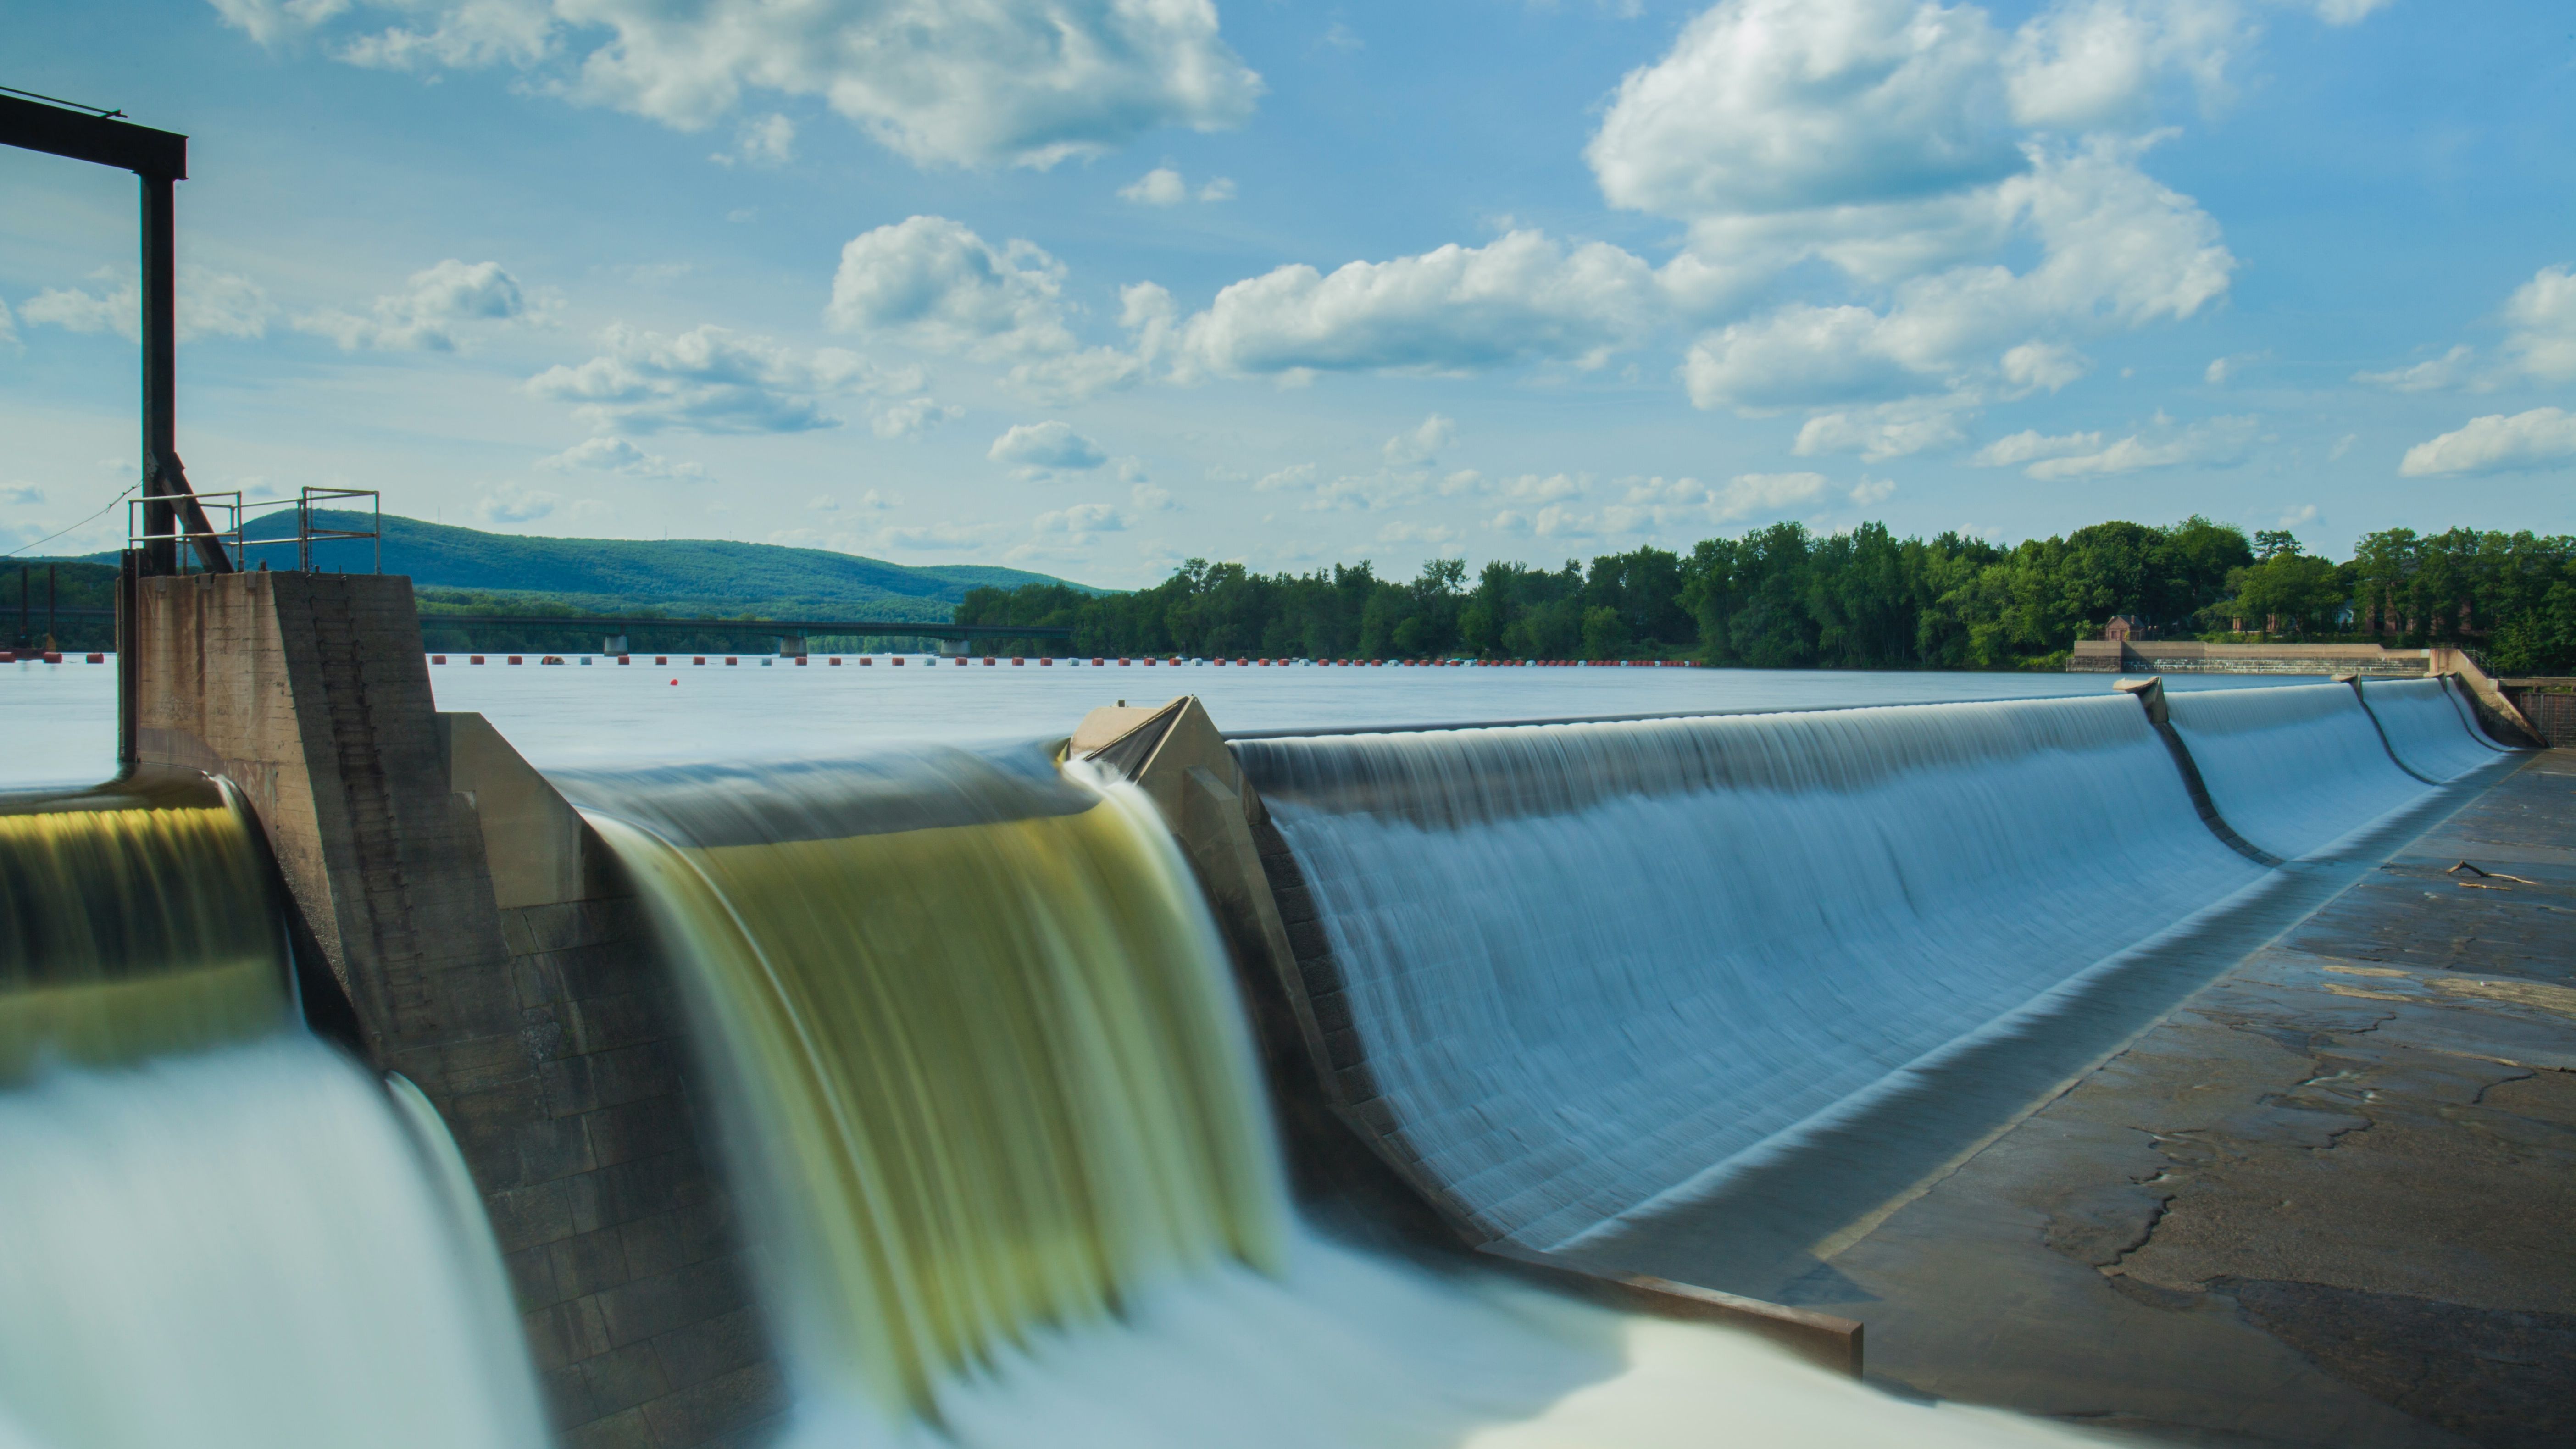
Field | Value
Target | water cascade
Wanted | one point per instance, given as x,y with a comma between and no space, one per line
1595,965
132,923
219,1231
993,1105
2293,768
2429,726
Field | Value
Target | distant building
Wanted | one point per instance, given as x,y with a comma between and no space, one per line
2122,628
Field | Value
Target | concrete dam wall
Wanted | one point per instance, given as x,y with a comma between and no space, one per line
962,1092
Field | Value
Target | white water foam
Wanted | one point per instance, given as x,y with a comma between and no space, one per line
1589,963
2293,769
243,1248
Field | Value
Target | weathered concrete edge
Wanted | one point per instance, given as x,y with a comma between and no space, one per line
1822,1339
532,1026
1177,756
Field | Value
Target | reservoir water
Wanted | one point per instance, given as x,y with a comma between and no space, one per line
60,718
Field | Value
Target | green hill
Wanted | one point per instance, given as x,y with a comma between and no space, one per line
614,575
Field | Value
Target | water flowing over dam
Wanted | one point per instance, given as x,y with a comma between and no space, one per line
1593,968
1138,1087
999,1107
219,1231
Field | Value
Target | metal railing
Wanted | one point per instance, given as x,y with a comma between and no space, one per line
236,516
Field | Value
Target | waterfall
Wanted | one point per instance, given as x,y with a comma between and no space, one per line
990,1082
2429,726
215,1230
990,1097
128,930
1591,965
2294,768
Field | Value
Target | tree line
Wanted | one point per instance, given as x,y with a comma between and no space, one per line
1787,597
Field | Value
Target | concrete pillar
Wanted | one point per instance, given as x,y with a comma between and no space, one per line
489,952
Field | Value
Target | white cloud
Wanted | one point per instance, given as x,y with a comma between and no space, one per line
1078,376
910,417
1046,445
2543,314
1421,444
8,327
2540,438
2096,63
939,537
616,455
1022,82
211,304
1297,475
1521,297
2450,370
710,380
1341,37
507,503
934,283
1078,523
1892,430
1870,491
1786,105
1161,186
2346,12
2050,365
2031,445
764,144
1435,534
427,314
1749,494
21,494
1164,186
1149,499
2117,249
2216,442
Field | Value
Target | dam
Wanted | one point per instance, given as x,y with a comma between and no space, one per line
1978,1072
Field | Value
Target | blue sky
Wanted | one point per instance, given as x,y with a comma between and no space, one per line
1090,286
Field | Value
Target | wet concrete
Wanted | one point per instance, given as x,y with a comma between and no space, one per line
2328,1200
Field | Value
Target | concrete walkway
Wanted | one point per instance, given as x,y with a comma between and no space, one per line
2330,1200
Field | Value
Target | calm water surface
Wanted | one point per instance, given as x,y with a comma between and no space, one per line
57,721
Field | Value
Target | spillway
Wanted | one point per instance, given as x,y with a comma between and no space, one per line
991,1097
1596,964
218,1231
2429,726
2298,768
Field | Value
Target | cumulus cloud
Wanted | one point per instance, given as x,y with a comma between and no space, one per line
1748,494
1161,186
1079,521
934,283
2451,369
428,313
2117,249
2542,313
764,144
2540,438
1164,186
1893,430
910,417
2215,442
1149,499
1045,446
616,455
1421,444
1522,297
947,537
2097,63
211,304
1019,82
508,503
710,380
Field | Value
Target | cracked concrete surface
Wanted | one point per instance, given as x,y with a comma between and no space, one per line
2329,1201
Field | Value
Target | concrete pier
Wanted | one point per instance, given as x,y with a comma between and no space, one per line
484,948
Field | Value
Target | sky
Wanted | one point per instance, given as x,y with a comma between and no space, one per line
1089,287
